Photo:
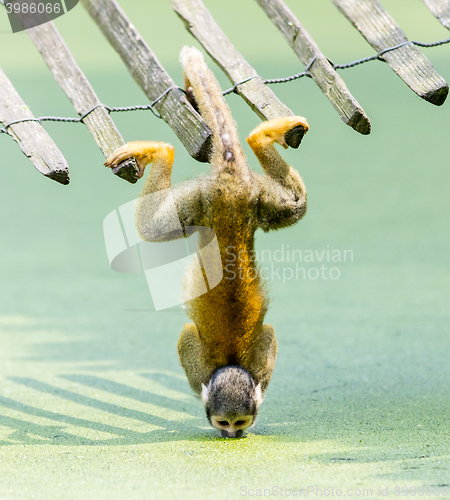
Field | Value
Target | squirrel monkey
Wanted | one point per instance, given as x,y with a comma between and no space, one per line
227,352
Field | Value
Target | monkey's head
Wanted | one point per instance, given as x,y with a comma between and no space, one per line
231,400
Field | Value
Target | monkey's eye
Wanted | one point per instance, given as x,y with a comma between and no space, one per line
239,422
223,422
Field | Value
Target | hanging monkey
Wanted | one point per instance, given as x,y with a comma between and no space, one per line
227,352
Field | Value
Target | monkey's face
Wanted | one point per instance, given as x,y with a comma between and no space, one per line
232,427
231,400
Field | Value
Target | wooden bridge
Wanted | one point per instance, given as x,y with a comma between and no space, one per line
169,101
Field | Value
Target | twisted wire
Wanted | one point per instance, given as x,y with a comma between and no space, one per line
232,89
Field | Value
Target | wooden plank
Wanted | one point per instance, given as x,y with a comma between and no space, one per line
74,83
201,25
382,32
319,67
32,139
440,9
148,73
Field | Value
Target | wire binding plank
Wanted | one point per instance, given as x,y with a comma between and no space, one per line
200,23
319,67
148,73
381,31
441,10
76,86
32,139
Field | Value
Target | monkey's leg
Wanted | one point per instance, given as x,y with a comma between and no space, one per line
282,192
155,218
193,358
260,360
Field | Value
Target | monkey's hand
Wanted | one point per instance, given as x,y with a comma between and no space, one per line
286,131
144,152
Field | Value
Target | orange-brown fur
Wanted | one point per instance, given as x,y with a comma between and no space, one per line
234,201
229,316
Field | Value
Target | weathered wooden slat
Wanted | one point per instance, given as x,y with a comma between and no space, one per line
319,67
201,25
74,83
382,32
440,9
33,140
148,73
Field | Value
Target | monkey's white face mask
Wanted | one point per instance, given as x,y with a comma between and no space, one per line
233,427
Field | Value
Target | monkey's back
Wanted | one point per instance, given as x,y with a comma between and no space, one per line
229,315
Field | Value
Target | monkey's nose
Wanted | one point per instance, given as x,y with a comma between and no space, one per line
237,434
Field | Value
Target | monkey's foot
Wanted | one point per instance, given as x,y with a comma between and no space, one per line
144,152
287,131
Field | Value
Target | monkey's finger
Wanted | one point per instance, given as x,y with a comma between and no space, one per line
286,131
294,136
290,130
123,153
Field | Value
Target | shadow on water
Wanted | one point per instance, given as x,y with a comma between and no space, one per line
370,426
27,432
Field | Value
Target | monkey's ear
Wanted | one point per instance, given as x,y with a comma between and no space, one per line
258,395
205,394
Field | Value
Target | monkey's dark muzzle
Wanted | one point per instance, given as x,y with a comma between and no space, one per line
236,434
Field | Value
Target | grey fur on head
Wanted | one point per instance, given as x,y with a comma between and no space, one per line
230,392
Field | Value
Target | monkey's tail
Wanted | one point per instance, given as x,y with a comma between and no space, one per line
213,108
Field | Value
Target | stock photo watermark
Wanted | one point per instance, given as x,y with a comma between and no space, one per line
317,492
25,14
286,263
169,254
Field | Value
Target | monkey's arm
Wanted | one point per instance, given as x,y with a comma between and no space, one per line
282,196
261,357
156,219
197,365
